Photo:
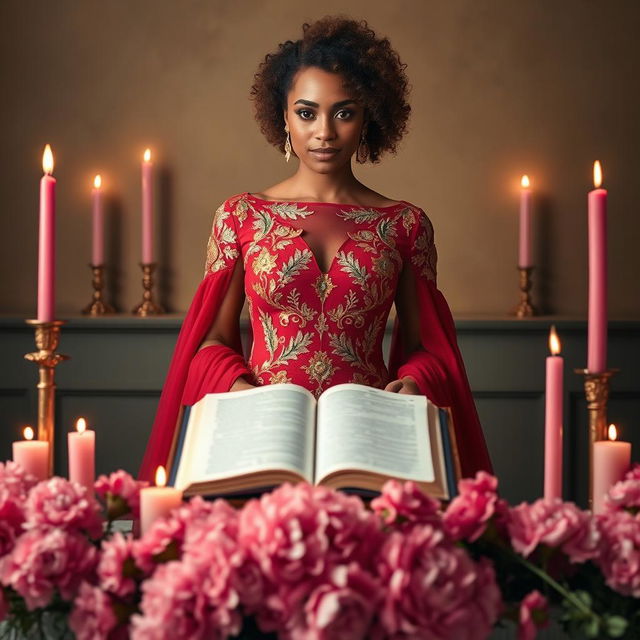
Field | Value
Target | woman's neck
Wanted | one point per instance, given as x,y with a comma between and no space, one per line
332,187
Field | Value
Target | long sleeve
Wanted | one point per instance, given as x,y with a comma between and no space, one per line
193,373
437,367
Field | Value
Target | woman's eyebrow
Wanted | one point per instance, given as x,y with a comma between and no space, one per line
309,103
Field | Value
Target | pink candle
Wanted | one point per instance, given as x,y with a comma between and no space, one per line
156,502
597,358
97,252
553,420
32,455
147,208
611,461
524,254
81,447
47,241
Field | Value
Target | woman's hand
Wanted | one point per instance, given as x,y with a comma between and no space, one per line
406,385
241,384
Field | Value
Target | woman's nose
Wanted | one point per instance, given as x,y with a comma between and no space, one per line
326,129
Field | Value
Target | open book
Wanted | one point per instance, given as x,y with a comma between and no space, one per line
353,437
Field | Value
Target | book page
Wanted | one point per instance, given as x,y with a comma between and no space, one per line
361,427
270,427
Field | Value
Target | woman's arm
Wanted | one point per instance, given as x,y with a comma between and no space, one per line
225,329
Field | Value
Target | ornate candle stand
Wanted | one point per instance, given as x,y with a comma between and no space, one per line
525,309
47,338
97,307
596,390
148,307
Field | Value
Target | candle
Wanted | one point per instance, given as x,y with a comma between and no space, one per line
524,254
553,420
611,460
32,455
156,502
47,240
147,209
97,252
597,358
81,446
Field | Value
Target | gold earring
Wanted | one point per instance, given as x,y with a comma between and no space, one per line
287,144
362,142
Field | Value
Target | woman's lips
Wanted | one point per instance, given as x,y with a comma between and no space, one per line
324,154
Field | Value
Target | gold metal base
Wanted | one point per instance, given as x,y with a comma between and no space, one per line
596,390
525,309
47,335
148,307
97,307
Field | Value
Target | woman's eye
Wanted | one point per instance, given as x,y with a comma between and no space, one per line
303,111
346,112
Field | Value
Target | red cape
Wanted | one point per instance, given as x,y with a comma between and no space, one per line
438,370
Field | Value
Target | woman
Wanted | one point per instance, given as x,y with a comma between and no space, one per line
321,256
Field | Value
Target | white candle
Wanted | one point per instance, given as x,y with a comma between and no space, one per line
156,502
611,460
82,458
32,455
524,253
553,419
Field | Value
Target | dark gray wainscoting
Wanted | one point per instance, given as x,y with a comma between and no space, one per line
118,365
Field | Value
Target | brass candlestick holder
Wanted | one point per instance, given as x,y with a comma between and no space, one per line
47,337
148,307
596,390
525,309
97,307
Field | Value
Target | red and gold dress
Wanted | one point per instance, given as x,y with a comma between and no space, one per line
319,328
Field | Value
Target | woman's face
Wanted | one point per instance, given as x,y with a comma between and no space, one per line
322,114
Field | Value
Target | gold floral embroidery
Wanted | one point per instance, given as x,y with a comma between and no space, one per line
323,286
280,378
424,254
222,245
320,367
321,325
264,263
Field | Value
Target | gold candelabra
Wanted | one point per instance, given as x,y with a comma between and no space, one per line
524,308
148,307
596,390
47,336
97,306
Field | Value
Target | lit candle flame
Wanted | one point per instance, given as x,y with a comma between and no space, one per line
97,181
147,155
161,477
28,433
47,160
597,174
613,432
81,425
525,183
554,341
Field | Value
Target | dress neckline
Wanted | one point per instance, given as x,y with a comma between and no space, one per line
333,204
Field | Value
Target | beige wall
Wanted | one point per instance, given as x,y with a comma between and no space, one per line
499,88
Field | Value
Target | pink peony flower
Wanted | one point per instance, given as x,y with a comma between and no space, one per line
405,504
619,557
121,494
434,589
15,481
468,514
176,607
8,535
556,524
633,473
534,615
92,617
624,495
116,568
47,559
59,503
341,608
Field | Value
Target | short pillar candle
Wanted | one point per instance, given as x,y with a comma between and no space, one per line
157,502
611,460
82,458
32,455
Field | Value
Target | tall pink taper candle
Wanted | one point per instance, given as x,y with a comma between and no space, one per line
32,455
524,253
597,351
47,241
97,249
82,458
156,502
553,420
147,208
611,461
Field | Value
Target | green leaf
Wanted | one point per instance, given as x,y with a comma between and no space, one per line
592,627
615,626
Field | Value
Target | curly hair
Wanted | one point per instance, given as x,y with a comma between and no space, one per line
372,71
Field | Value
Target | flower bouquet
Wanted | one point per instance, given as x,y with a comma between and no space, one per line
305,563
